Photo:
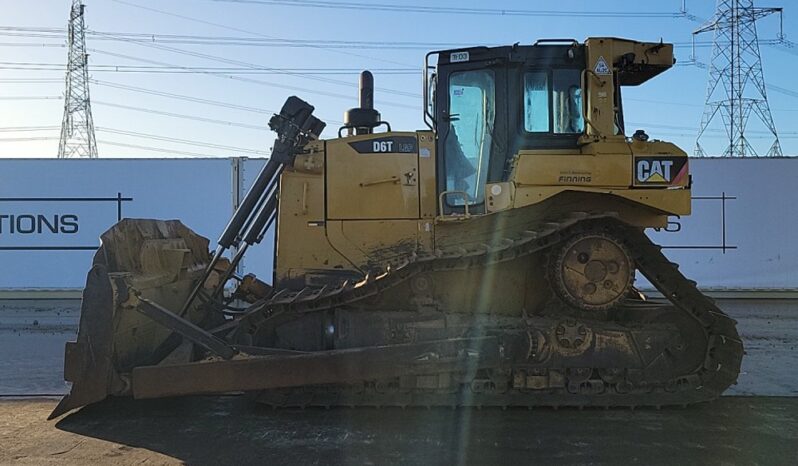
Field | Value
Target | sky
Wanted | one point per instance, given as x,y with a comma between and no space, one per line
281,48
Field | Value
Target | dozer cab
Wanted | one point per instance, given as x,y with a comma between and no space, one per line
488,260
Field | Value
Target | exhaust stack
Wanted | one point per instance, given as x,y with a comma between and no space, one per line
363,119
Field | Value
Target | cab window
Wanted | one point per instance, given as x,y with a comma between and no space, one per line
472,111
566,97
536,102
553,102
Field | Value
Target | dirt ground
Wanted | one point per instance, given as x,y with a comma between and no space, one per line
232,430
32,337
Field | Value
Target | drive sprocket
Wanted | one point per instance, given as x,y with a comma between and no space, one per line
591,271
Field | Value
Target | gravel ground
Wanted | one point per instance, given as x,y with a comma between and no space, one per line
231,430
769,329
32,337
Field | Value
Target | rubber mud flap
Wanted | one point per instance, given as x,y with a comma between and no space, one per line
88,361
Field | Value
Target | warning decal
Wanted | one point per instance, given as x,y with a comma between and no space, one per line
602,67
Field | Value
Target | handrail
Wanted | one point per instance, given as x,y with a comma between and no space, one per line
393,180
557,41
463,194
429,119
585,95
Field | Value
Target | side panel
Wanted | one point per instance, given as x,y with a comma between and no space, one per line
611,168
574,169
600,90
302,245
373,176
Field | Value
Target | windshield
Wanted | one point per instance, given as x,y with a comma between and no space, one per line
472,109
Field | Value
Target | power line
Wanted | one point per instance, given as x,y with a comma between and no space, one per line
21,66
114,143
685,127
160,112
782,90
180,141
30,44
687,104
316,43
31,97
110,67
14,129
257,66
402,8
30,80
661,102
155,149
30,139
209,69
189,98
58,35
248,66
183,116
183,97
194,39
245,31
264,128
143,110
34,29
787,46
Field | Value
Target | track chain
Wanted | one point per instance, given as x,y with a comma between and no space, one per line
719,370
313,299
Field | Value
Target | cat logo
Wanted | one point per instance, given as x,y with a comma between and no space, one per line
659,170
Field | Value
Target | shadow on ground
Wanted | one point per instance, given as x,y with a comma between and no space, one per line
232,430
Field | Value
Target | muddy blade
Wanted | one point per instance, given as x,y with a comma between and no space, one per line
162,260
88,361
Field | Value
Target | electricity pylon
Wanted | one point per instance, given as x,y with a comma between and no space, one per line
77,127
736,86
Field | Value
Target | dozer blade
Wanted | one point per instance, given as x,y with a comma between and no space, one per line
87,361
162,261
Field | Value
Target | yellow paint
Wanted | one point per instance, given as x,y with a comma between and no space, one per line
341,210
371,186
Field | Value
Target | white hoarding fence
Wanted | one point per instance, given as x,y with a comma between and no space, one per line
53,211
740,236
56,223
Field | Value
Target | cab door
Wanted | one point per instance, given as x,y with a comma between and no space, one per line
471,119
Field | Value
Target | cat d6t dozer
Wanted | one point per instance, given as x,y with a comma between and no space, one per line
486,261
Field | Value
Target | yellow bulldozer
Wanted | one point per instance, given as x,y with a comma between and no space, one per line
488,260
